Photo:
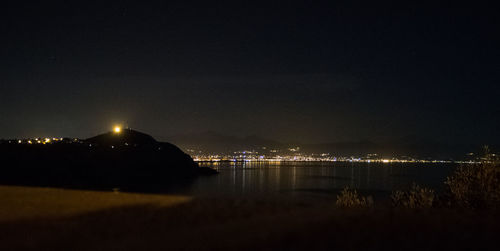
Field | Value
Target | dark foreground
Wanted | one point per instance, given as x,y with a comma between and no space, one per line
57,219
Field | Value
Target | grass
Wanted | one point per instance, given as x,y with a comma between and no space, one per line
57,219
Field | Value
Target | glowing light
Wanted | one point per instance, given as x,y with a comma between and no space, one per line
117,129
385,161
47,140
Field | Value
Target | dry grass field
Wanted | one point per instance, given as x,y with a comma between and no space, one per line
58,219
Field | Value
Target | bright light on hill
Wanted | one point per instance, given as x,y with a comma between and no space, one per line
117,129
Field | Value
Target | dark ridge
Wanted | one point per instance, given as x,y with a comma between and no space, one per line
125,136
129,160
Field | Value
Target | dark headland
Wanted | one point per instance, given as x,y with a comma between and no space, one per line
126,159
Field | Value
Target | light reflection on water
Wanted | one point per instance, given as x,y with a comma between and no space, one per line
253,178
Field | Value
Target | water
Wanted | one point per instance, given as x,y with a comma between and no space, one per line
306,178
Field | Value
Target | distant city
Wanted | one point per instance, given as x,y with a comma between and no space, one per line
268,154
294,154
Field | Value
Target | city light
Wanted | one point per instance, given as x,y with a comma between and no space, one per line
293,154
238,156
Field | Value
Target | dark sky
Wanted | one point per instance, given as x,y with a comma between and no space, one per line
305,71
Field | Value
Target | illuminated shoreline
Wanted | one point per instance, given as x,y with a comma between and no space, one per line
383,161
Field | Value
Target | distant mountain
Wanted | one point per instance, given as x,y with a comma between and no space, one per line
218,143
421,149
343,148
213,142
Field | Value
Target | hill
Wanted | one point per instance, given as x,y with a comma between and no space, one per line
129,160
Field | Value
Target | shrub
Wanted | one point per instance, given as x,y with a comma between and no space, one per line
415,198
476,185
350,199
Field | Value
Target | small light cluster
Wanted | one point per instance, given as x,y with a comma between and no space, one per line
37,141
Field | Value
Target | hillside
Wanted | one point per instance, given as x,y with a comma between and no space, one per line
129,159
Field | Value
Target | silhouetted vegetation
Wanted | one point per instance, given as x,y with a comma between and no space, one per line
415,198
349,198
476,186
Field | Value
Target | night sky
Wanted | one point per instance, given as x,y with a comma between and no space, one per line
306,72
